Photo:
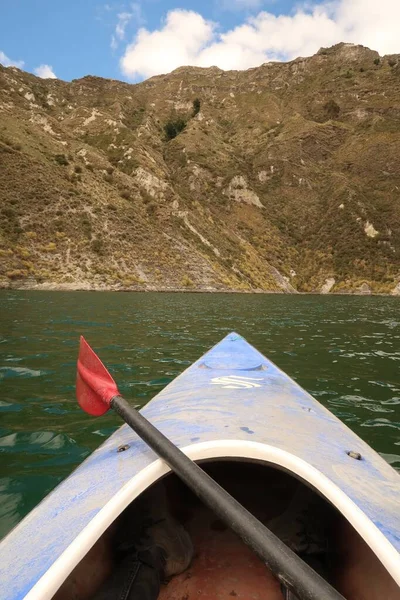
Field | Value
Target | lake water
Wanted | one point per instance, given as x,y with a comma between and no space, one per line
343,350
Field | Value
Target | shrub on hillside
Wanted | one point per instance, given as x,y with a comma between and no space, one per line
151,208
61,159
332,109
97,246
9,212
196,107
173,127
186,281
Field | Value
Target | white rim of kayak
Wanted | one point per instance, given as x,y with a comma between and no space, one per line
51,581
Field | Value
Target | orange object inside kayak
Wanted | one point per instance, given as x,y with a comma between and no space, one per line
222,567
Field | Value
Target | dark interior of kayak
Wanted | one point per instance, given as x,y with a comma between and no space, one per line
168,545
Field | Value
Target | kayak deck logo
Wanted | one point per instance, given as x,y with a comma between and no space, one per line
236,382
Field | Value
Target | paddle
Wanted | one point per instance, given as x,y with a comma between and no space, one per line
97,393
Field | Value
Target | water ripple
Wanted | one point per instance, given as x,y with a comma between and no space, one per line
8,372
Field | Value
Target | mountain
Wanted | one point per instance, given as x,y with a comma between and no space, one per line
285,177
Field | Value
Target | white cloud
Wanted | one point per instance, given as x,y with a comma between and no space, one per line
124,18
45,72
186,38
8,62
180,41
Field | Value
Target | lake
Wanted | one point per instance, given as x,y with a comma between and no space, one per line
344,350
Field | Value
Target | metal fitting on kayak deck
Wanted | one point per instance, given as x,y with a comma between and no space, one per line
353,454
123,448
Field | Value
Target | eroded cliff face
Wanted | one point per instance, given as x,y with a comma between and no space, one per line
288,178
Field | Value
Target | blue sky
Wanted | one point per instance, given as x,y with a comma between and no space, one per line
135,40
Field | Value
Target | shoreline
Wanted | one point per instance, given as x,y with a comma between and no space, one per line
86,287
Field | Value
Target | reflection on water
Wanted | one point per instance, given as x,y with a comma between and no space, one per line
344,350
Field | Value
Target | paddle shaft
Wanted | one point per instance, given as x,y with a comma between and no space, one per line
294,573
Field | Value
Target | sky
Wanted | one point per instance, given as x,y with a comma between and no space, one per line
135,40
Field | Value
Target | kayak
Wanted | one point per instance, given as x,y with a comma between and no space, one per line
264,439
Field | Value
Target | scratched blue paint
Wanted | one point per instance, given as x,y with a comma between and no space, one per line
198,407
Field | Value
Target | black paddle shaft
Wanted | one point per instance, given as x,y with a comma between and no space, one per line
291,571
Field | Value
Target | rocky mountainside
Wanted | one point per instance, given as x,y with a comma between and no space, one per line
285,177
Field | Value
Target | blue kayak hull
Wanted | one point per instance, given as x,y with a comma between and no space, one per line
233,402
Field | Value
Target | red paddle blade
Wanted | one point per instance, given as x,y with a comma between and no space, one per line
94,385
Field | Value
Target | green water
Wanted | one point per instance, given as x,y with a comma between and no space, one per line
344,350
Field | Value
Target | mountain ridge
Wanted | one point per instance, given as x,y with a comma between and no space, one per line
285,179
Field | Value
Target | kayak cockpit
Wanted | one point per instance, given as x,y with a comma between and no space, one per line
204,560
